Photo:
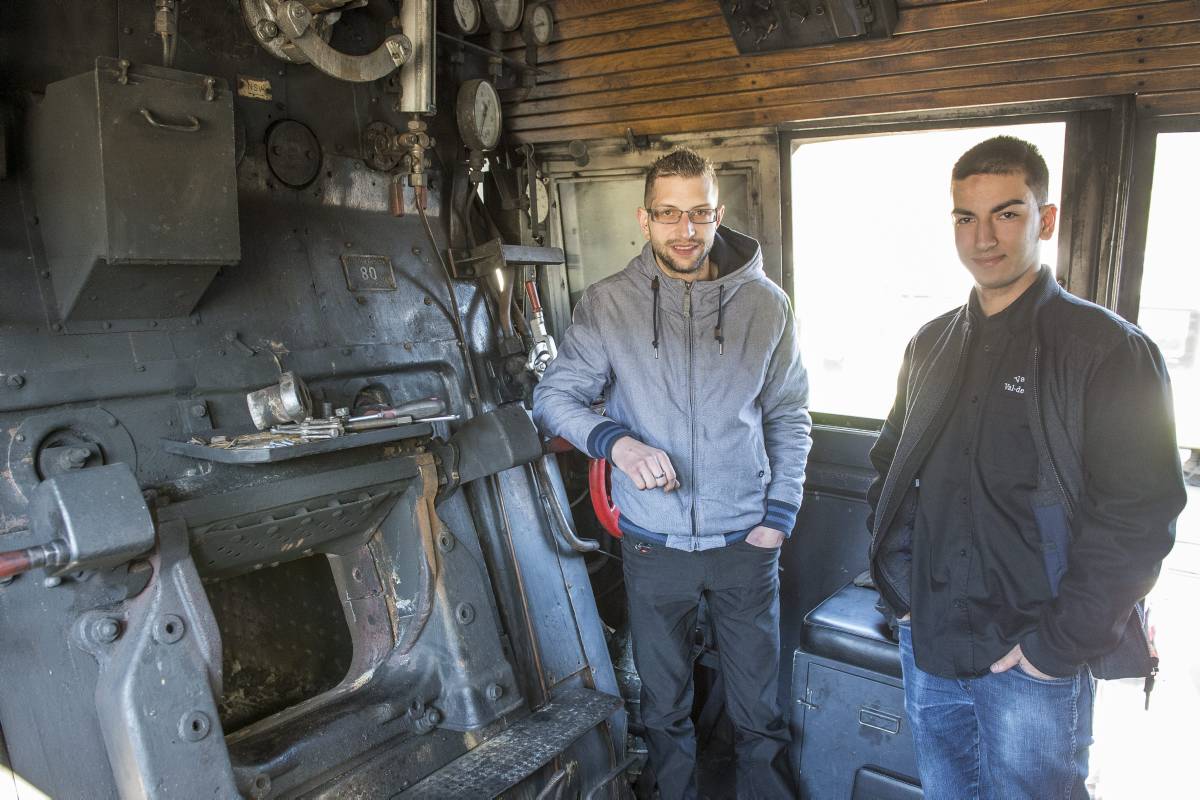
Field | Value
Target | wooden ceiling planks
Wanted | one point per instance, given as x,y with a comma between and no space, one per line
1013,34
620,64
1136,43
1170,104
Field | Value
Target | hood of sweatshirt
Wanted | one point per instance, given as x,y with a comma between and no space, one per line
739,261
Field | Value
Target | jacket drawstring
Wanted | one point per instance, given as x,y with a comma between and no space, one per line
654,288
717,334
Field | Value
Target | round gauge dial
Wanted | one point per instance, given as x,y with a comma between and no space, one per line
467,15
479,117
543,201
503,15
539,25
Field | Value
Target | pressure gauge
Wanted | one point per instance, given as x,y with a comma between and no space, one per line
503,15
478,110
539,25
467,15
543,201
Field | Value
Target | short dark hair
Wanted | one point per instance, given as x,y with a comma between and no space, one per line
682,162
1006,155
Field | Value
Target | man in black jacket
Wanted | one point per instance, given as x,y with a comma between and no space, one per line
1028,485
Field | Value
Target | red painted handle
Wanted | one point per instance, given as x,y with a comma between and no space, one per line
14,562
606,512
535,302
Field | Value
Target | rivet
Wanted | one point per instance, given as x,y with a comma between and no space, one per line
194,726
168,629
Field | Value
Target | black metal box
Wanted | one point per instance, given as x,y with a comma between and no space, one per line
135,182
850,734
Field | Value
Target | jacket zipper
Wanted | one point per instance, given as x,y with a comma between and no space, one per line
892,490
687,316
1037,414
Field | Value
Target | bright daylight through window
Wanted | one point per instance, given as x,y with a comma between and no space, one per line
874,252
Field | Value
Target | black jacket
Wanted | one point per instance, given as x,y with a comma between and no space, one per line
1107,496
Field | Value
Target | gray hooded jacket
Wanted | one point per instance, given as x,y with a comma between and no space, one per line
710,373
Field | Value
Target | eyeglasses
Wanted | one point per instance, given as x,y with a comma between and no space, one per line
669,216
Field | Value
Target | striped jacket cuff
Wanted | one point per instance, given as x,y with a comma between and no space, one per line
602,438
781,516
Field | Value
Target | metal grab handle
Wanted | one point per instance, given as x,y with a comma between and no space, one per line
193,124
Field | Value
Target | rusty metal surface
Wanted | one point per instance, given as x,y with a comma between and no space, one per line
283,635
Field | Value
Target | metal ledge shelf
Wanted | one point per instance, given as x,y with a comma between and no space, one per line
270,455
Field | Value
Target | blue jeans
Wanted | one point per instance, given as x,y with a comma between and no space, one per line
1001,736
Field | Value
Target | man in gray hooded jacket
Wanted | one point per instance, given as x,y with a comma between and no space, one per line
696,354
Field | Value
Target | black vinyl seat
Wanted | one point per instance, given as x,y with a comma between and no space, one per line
847,627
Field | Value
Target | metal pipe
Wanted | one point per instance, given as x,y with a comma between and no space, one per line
416,76
554,786
455,314
555,511
612,775
52,554
166,25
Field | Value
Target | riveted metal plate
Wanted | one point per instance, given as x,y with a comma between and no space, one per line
515,754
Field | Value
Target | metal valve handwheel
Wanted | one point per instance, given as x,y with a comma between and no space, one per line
598,481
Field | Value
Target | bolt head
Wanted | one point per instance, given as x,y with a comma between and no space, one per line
106,630
199,411
16,381
399,48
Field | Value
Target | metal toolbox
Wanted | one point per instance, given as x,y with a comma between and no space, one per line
850,733
134,177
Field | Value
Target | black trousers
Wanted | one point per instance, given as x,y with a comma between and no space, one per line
741,585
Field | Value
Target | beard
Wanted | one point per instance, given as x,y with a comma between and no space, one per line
671,261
